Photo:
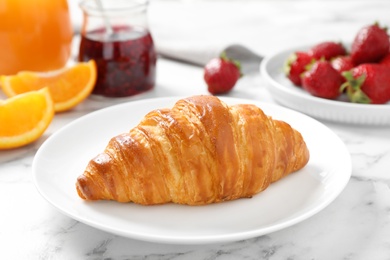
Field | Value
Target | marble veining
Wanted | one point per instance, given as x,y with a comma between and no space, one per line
355,226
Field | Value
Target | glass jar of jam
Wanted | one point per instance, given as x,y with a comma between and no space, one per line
116,36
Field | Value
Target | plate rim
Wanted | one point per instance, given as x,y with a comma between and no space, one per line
199,239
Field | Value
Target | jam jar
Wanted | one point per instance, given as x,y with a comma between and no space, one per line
116,36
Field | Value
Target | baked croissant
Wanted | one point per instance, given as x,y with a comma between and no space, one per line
199,152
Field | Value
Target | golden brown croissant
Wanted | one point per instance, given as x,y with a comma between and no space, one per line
201,151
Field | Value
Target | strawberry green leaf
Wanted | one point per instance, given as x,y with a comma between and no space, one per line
353,88
287,65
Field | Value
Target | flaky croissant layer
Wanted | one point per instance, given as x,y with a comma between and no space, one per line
198,152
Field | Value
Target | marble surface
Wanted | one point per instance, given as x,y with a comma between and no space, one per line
355,226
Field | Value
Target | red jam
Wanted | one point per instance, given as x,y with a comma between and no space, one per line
126,60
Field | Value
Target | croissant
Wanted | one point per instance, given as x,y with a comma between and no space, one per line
198,152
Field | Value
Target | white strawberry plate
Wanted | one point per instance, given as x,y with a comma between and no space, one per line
340,110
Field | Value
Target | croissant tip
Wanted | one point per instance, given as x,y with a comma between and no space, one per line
81,182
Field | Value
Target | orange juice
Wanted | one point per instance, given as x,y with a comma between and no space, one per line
35,35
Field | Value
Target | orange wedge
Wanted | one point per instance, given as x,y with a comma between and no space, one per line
68,87
24,118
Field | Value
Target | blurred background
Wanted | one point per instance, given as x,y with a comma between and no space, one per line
257,24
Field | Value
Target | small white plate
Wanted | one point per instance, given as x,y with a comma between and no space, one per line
65,154
285,93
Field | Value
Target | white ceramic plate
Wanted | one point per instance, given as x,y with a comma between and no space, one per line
285,93
66,153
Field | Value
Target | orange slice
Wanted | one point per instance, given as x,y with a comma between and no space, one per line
24,118
68,87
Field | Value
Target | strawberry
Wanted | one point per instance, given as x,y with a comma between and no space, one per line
342,63
368,83
322,80
386,60
327,50
221,74
295,65
370,45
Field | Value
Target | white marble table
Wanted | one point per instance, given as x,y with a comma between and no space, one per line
355,226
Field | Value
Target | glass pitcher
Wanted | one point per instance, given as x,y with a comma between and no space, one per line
35,35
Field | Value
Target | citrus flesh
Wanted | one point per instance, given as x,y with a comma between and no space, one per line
24,118
68,87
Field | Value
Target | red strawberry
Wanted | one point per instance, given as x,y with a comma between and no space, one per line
386,60
322,80
370,45
221,74
327,50
342,63
368,83
295,65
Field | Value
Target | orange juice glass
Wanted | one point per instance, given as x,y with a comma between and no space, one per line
35,35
